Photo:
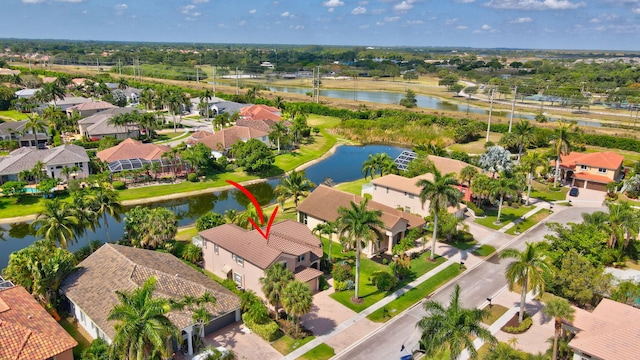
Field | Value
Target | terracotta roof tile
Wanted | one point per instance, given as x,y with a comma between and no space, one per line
27,330
133,149
305,274
592,177
323,203
94,105
231,135
116,267
605,160
289,237
260,112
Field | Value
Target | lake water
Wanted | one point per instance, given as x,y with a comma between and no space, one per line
345,165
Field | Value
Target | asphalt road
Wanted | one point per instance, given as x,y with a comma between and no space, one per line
477,284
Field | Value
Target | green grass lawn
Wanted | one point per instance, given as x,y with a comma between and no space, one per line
416,294
187,233
542,192
484,250
476,147
286,344
73,330
168,137
27,205
508,215
13,114
368,292
320,352
353,187
529,222
493,313
312,147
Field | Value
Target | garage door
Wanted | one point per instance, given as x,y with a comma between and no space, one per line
596,186
578,183
220,322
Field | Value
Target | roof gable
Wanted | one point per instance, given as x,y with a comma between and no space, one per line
231,135
604,159
133,149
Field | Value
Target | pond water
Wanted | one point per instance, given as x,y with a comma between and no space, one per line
344,165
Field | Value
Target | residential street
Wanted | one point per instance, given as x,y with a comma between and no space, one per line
477,284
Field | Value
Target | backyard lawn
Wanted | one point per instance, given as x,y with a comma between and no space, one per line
353,187
508,215
13,114
27,205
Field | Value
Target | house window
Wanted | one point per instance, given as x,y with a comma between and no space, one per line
216,249
238,259
407,209
387,190
375,187
584,167
237,278
602,171
81,316
301,258
284,264
410,196
303,218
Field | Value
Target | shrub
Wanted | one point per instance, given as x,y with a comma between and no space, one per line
118,185
478,211
405,243
247,299
258,313
350,284
324,285
341,272
524,326
268,331
192,177
382,280
339,285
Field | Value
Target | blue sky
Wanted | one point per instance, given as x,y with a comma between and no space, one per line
538,24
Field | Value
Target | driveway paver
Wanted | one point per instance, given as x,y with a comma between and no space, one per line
325,313
246,345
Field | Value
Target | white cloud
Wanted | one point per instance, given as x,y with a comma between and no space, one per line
253,11
200,1
222,26
486,27
391,18
521,20
535,4
196,14
377,11
462,27
242,23
331,10
187,8
71,1
415,22
285,14
465,1
33,1
636,10
364,27
121,7
451,21
404,6
379,23
363,3
296,27
333,3
359,10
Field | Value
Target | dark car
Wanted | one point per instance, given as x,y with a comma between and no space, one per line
574,191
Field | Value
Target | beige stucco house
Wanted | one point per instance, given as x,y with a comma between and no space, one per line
232,252
591,171
322,206
402,193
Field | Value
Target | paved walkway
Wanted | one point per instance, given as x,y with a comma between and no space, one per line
454,256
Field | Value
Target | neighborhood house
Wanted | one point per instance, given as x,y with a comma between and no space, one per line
54,159
591,171
232,252
97,126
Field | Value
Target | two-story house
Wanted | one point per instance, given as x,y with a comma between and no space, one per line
223,140
403,193
16,131
232,252
54,161
322,206
591,171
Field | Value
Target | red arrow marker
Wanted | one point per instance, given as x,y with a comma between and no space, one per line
258,209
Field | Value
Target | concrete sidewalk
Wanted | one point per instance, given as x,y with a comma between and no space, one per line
454,256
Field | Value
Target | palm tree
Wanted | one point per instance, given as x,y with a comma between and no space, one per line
357,225
530,162
53,116
56,222
328,228
122,83
278,131
558,309
35,124
388,166
86,216
205,97
623,224
295,186
146,98
468,173
501,187
278,102
274,282
524,134
143,329
297,299
452,328
369,167
528,270
104,201
441,194
561,145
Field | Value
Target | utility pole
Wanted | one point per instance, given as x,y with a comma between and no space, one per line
197,75
490,113
119,68
237,93
213,68
513,107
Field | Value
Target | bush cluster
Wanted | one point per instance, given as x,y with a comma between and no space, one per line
382,280
341,272
478,211
524,326
118,185
269,330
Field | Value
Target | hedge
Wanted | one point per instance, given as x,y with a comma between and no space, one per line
268,331
476,210
524,326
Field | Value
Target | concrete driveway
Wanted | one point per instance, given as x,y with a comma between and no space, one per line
245,345
325,313
587,197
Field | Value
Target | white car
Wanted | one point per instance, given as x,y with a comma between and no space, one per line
203,356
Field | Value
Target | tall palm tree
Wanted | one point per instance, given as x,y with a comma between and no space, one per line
205,97
561,144
278,131
35,124
528,270
86,216
297,299
104,201
56,222
623,224
53,116
295,186
328,228
143,329
501,187
278,102
369,167
558,309
146,98
468,173
530,162
441,194
357,225
452,328
524,134
274,282
123,83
